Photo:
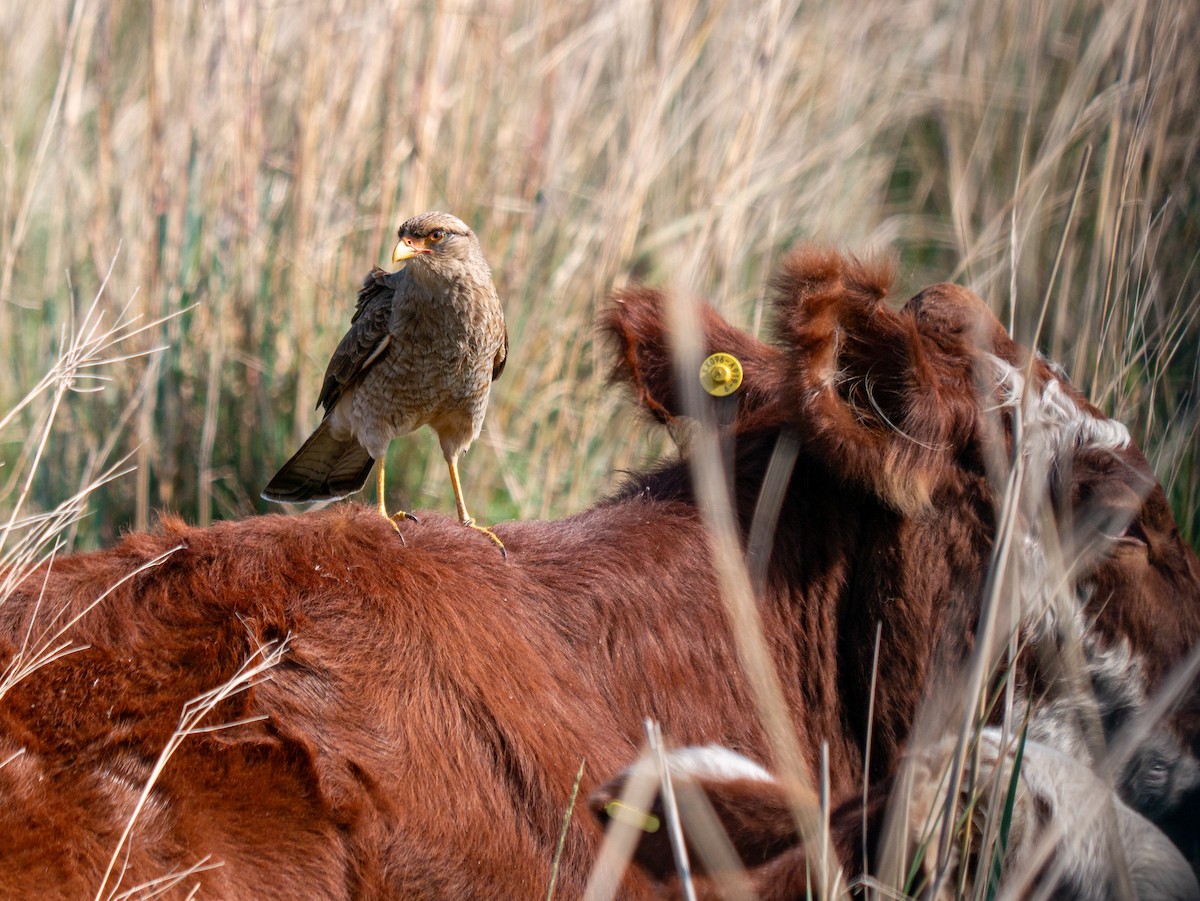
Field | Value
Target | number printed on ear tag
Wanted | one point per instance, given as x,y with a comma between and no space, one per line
721,374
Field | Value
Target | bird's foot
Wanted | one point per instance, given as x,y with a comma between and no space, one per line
395,519
396,528
470,524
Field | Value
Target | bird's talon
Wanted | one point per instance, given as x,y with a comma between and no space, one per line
401,516
470,524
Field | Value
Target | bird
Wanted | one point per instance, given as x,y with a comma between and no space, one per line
424,345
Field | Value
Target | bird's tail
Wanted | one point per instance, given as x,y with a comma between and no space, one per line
325,468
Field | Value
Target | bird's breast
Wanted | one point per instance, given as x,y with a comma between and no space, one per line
436,369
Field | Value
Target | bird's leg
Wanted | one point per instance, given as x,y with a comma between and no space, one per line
463,515
395,517
379,490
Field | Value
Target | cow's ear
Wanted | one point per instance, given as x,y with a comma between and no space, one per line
753,811
878,398
750,808
637,322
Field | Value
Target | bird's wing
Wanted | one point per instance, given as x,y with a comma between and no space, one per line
501,357
367,338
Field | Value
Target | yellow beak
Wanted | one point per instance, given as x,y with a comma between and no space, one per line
402,252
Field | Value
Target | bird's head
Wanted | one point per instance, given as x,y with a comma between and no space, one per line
436,241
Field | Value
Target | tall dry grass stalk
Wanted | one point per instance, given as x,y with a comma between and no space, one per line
253,159
91,353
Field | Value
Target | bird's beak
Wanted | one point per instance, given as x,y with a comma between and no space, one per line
405,251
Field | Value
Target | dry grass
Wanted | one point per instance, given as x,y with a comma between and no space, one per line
253,158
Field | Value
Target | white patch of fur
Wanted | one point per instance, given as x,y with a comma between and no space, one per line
1112,679
713,762
1094,826
1061,800
1055,423
1161,770
1052,429
1104,681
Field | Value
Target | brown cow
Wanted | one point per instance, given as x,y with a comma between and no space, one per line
313,707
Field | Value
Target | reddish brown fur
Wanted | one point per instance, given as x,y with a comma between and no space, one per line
635,320
422,733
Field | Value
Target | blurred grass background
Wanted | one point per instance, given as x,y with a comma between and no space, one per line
251,161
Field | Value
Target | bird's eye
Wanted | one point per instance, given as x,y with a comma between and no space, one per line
436,235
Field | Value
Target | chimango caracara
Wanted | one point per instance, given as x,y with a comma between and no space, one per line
424,346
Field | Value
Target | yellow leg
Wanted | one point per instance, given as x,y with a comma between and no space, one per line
382,505
379,490
463,515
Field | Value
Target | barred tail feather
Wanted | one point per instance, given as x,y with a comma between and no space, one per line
325,468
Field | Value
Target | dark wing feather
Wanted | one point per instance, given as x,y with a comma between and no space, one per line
501,357
363,342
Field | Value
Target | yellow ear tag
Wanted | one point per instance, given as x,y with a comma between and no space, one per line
631,816
721,374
